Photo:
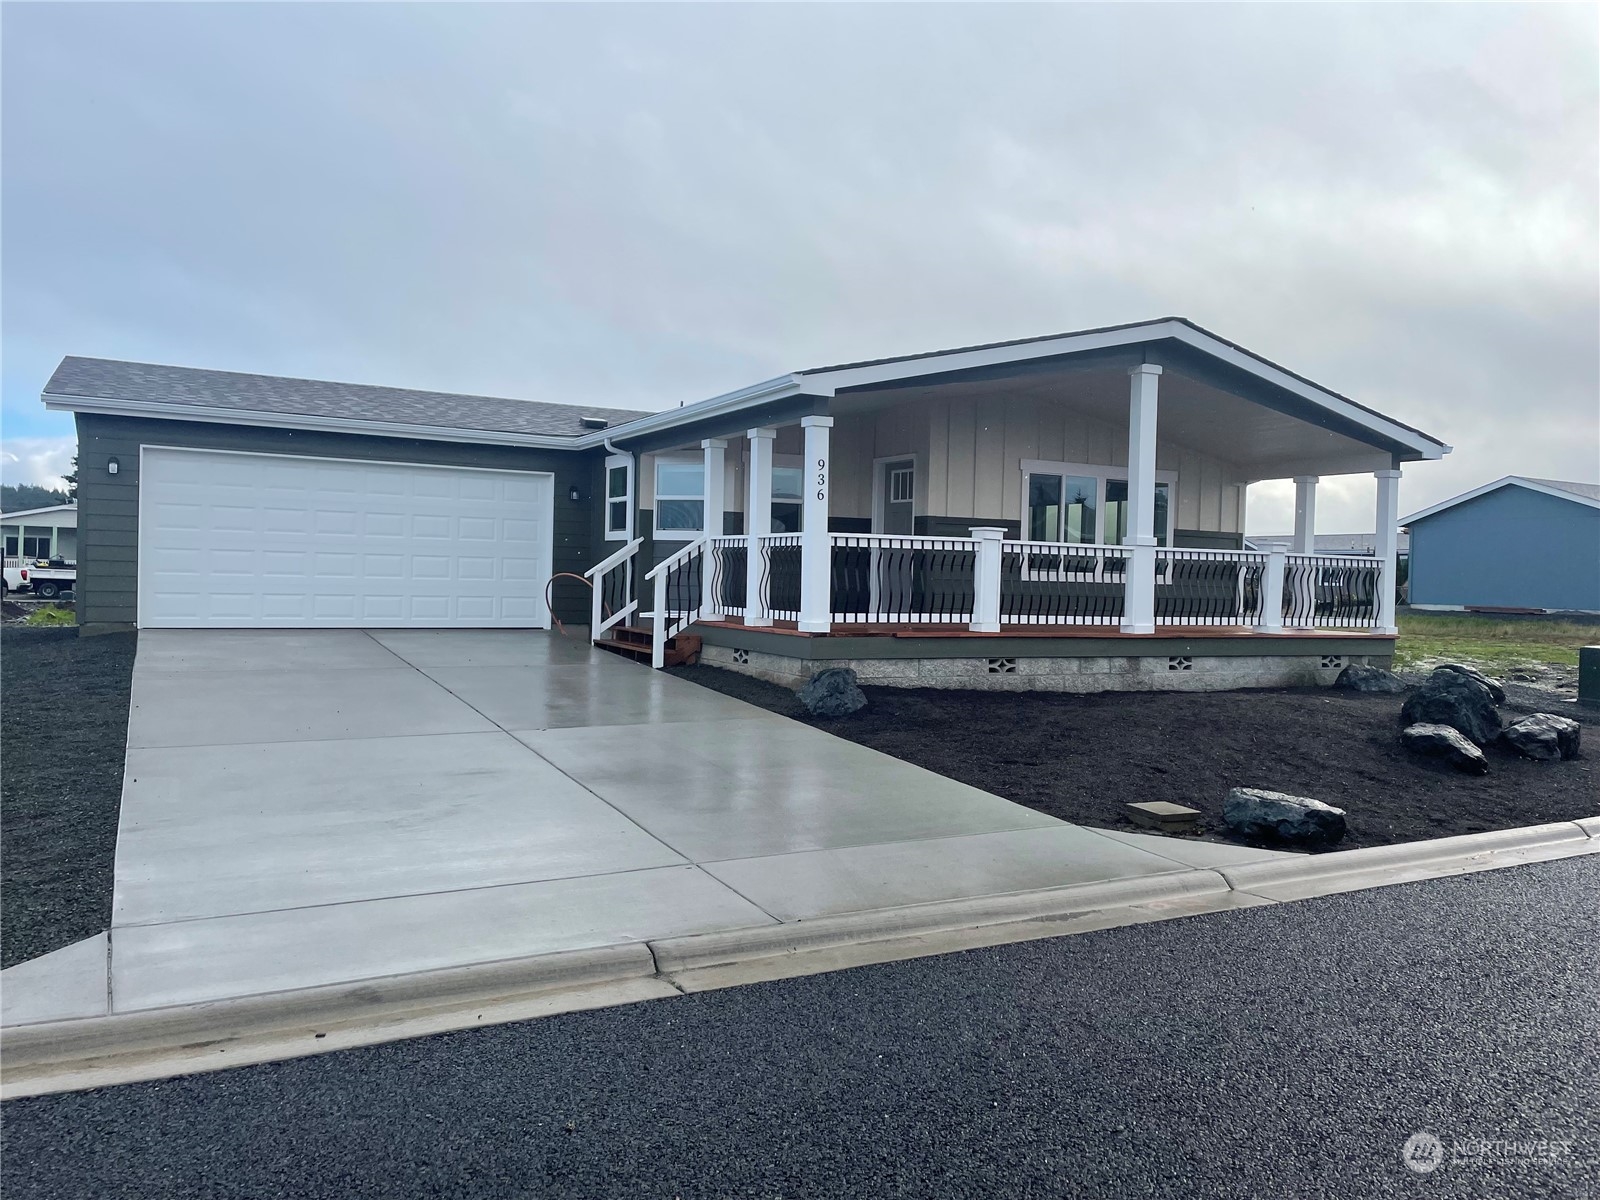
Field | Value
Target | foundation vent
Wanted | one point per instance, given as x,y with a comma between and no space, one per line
1002,666
1180,663
1332,660
741,656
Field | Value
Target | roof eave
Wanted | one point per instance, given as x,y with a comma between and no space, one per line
1495,486
110,406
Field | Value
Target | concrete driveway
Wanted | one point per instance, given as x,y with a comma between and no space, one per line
304,808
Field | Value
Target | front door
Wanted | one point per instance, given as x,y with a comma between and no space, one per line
894,567
898,488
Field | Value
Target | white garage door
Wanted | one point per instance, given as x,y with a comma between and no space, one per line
259,540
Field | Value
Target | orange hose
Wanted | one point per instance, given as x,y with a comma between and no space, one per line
549,604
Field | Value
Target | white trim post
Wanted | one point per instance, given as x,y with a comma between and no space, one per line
1139,604
986,579
757,523
1388,547
816,550
1305,515
1272,592
715,496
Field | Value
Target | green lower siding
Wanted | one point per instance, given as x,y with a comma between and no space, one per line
108,505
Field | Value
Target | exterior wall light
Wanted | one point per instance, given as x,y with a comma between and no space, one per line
111,466
573,495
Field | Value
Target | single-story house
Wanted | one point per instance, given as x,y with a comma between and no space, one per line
1062,511
40,533
1519,544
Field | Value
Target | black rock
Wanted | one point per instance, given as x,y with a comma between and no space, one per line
1543,735
1454,699
1264,816
1359,678
1496,692
1441,741
833,693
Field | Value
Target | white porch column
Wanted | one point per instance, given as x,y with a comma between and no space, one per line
986,579
1305,515
1388,547
758,522
816,551
715,502
1139,603
1272,592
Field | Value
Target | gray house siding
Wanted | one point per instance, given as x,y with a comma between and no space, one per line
108,505
1510,548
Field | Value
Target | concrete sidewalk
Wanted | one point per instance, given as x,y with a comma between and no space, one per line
311,808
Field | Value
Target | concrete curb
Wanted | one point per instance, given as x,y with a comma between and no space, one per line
1350,870
122,1047
221,1021
700,950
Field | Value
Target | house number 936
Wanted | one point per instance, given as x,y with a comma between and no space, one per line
822,479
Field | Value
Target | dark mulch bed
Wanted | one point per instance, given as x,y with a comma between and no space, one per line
1082,758
63,730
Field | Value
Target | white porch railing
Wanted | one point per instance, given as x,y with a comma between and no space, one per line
612,600
989,582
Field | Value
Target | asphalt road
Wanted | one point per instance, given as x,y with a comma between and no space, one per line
1279,1052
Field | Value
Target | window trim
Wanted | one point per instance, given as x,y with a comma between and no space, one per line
676,535
613,461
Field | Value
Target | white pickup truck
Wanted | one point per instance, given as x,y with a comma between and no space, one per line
46,580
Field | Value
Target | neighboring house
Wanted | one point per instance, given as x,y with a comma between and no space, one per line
1519,543
41,532
1062,511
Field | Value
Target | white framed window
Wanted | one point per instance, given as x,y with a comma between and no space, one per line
619,498
788,486
902,485
680,497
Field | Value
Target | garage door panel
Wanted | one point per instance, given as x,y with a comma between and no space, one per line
240,540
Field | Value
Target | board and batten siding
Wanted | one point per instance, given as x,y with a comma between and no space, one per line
108,505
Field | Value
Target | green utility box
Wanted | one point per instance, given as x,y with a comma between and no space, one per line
1589,676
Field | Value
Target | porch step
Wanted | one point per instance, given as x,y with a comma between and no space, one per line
633,641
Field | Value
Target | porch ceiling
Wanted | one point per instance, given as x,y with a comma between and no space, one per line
1263,442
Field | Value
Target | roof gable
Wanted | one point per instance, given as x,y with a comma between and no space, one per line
1587,494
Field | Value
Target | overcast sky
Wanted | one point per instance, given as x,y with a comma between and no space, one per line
639,206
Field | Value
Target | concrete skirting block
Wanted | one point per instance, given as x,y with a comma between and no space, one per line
1376,866
695,951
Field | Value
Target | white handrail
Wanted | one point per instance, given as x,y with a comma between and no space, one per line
605,564
686,553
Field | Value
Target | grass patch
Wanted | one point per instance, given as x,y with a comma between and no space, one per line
52,616
1488,641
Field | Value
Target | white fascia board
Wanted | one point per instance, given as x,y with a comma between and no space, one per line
779,388
829,382
1507,481
276,420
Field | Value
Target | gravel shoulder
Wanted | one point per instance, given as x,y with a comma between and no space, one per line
63,733
1083,758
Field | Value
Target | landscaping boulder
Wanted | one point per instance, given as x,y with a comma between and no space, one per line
1265,816
1454,699
1543,735
1496,692
833,693
1441,741
1373,680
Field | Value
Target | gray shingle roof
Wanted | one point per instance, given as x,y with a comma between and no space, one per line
1590,491
109,379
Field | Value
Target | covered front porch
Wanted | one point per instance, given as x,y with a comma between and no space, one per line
1004,501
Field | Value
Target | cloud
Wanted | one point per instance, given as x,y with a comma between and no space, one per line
642,205
41,461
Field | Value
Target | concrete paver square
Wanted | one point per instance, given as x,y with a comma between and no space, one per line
186,962
310,650
799,887
598,694
217,708
212,830
486,647
742,789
